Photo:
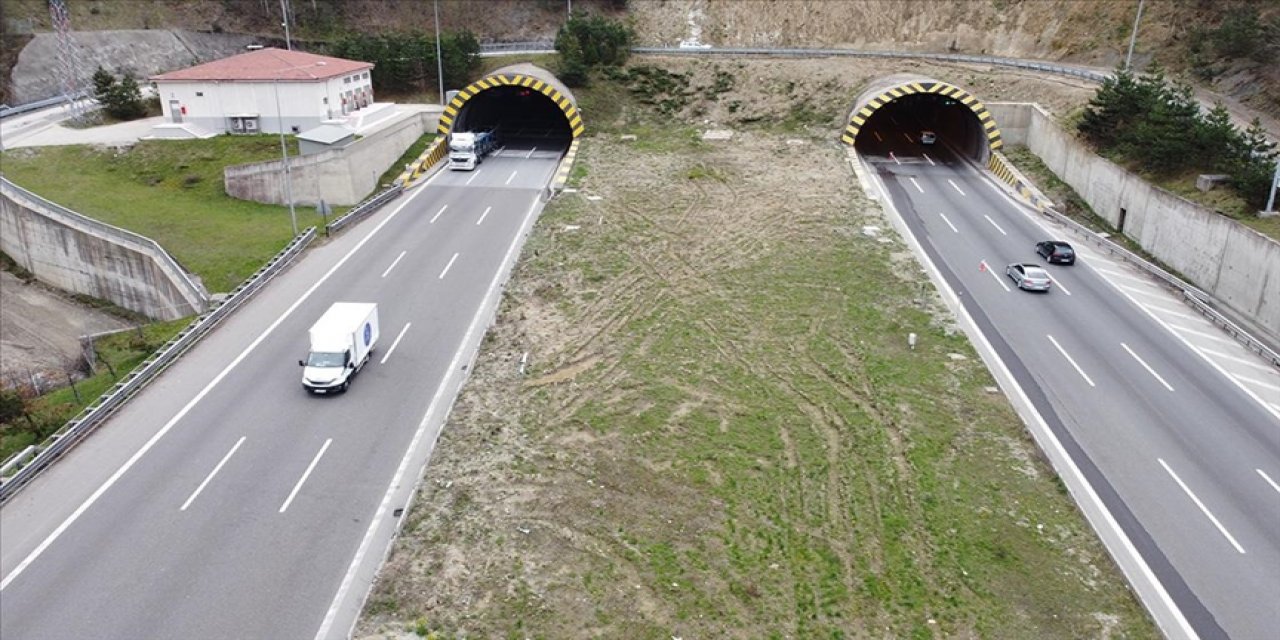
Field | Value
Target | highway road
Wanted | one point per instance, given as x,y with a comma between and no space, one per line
1176,426
226,502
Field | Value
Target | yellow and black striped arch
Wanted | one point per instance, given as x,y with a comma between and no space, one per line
563,102
964,97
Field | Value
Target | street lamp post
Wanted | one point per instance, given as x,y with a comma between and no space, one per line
284,14
435,6
1275,184
284,154
1133,37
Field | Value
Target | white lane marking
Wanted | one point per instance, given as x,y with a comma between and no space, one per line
384,507
917,184
1058,283
999,280
1240,360
395,343
531,153
115,477
894,158
878,138
955,186
1260,383
1268,479
213,473
447,266
908,137
926,157
486,212
1202,334
993,223
1118,274
1070,359
438,214
1146,293
944,219
311,467
473,176
1146,366
394,263
513,176
1204,509
1172,312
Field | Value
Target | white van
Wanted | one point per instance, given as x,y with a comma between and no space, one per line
341,341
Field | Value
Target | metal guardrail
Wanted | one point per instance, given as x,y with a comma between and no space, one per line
511,48
363,209
124,236
1197,298
38,104
94,415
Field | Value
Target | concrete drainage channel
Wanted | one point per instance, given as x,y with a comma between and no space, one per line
26,465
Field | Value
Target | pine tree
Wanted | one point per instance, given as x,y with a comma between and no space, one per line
102,83
1219,140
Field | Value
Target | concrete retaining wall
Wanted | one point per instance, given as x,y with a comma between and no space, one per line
340,177
81,255
1231,262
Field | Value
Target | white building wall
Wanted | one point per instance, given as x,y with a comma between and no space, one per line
302,105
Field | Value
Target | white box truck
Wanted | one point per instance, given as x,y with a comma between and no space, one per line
341,341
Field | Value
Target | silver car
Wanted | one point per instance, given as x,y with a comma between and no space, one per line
1029,277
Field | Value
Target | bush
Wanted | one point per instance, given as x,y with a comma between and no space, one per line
121,100
588,42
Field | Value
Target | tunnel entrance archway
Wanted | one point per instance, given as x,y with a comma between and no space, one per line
524,100
909,104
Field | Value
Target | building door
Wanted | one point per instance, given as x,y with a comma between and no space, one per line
175,111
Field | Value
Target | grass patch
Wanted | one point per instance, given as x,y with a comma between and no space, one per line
46,414
172,192
420,145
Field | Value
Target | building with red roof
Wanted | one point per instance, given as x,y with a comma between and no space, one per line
264,91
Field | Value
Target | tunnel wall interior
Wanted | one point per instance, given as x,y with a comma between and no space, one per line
519,102
933,106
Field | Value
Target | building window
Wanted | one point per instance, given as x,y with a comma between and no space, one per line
365,75
346,80
199,94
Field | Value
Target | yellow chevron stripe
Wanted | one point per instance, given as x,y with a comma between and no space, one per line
992,135
847,139
858,120
866,112
445,120
996,144
918,87
978,106
989,125
874,104
968,100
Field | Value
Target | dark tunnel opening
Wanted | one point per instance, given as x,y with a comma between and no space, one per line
520,113
902,122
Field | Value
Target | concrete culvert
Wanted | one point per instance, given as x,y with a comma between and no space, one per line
922,112
523,100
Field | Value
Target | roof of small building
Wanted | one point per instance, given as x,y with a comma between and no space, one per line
326,134
265,65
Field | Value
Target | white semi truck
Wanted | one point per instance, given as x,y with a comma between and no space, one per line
468,148
341,341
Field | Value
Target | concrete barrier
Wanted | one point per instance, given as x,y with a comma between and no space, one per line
82,255
339,177
1237,266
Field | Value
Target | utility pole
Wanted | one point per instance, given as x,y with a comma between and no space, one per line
284,154
1275,184
435,6
1133,37
569,11
284,14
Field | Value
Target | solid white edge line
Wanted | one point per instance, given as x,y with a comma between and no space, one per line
1258,382
380,515
956,187
1203,509
513,176
213,473
993,223
1132,564
394,263
482,216
115,477
438,214
917,185
306,474
395,343
1268,479
1070,359
1147,366
448,266
1225,356
999,280
1202,334
946,220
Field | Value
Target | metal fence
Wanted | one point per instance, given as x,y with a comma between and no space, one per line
360,211
122,236
514,48
94,415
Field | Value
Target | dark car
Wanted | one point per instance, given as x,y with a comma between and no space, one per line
1056,252
1029,277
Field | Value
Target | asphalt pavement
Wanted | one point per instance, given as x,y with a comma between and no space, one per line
226,502
1183,442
